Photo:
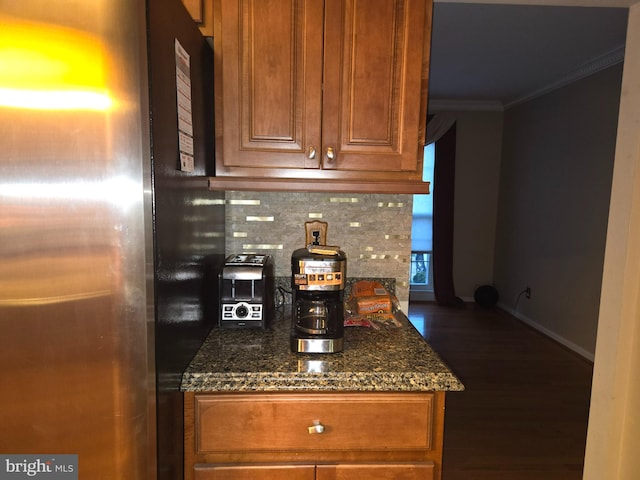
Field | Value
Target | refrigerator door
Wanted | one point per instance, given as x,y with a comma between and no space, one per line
76,258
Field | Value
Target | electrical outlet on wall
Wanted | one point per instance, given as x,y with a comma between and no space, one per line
527,292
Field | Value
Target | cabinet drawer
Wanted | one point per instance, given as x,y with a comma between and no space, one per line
254,472
377,471
291,422
347,471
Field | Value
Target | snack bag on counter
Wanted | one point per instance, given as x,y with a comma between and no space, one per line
370,305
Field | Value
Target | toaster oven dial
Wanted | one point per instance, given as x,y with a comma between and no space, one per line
241,310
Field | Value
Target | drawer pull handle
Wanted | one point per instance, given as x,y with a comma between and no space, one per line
317,427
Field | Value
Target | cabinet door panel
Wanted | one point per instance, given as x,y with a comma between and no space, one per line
271,54
254,472
377,471
374,57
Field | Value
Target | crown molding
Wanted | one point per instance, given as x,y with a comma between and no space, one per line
592,67
597,64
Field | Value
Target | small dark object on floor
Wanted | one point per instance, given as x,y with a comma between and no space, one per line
486,296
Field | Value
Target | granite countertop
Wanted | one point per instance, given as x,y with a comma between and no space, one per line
391,359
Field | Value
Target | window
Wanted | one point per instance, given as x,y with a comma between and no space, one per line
420,268
421,230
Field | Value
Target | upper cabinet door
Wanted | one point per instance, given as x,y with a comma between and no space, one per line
374,59
269,81
324,95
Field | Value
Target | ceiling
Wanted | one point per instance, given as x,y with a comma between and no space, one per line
492,56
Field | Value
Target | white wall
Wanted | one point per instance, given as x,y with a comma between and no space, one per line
478,150
557,164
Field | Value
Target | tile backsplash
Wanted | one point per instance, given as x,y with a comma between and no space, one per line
373,230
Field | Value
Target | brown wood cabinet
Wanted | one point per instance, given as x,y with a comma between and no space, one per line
319,94
307,436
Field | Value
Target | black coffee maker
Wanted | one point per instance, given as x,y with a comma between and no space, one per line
318,274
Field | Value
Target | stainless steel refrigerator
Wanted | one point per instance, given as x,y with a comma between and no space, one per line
109,238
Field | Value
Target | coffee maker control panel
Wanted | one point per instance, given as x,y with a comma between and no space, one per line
319,279
319,275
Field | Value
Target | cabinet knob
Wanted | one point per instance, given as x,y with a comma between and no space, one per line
317,427
311,154
331,154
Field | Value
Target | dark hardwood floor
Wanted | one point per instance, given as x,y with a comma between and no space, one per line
523,415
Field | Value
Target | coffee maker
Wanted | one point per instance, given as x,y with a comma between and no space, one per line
318,274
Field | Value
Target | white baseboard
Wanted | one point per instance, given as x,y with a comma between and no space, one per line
545,331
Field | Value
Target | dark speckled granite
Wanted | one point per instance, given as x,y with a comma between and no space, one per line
393,359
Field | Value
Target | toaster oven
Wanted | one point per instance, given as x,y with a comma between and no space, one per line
246,291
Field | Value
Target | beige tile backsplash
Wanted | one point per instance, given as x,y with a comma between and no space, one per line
373,230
